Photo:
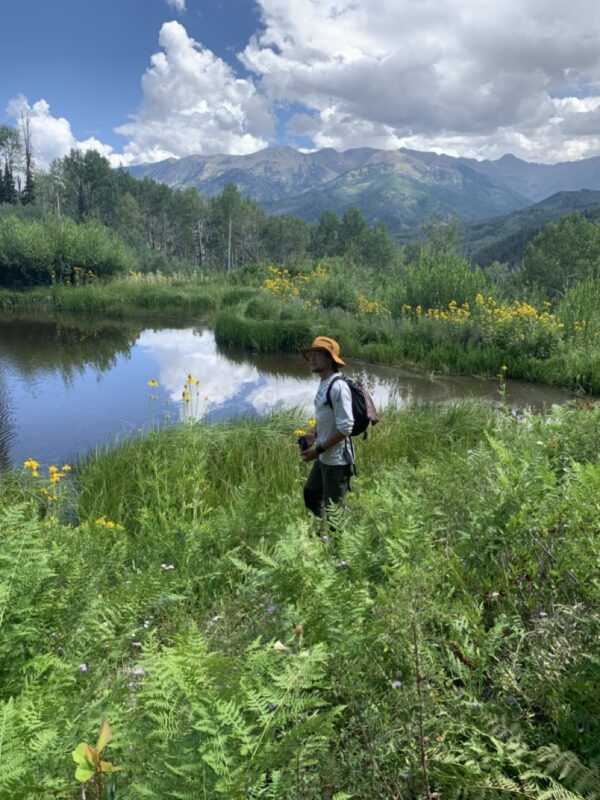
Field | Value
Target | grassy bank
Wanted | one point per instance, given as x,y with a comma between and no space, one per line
120,298
269,310
444,640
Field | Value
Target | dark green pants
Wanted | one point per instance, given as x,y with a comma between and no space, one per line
325,484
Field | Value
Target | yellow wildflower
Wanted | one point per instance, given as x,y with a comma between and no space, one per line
152,382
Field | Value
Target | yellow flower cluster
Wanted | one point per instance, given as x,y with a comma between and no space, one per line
310,424
32,465
517,324
373,307
282,283
54,476
108,524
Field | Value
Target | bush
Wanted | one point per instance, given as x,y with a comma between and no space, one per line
58,251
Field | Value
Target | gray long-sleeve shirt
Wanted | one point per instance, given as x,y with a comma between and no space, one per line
337,417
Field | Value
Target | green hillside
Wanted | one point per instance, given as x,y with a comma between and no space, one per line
505,238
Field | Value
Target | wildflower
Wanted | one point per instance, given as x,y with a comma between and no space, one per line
192,381
83,667
271,609
186,396
65,468
205,398
341,564
136,644
271,706
299,432
138,672
324,538
311,422
152,382
395,684
280,647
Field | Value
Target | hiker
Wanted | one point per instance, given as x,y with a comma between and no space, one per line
328,445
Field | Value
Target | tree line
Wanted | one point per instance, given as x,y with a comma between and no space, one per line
168,229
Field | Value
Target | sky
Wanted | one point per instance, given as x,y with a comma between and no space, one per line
145,80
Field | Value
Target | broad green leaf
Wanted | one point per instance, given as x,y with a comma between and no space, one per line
81,755
106,766
104,737
83,774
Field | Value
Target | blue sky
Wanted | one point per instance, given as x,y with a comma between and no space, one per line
142,80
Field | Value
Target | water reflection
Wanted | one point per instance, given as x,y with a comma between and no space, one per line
66,388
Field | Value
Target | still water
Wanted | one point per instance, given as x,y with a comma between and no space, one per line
67,387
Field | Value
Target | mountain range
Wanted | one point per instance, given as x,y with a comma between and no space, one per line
399,187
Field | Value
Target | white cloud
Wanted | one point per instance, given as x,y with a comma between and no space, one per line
466,77
469,76
52,137
194,103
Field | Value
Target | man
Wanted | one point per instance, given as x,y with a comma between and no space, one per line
330,448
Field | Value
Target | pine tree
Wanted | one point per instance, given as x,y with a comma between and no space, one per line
28,193
10,190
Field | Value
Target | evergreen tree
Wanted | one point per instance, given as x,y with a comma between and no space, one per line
28,193
10,153
10,190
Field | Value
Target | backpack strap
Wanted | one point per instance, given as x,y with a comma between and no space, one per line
328,395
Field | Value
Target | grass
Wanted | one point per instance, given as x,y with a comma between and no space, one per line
116,299
452,620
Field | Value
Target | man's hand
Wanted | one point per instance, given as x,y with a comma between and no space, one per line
309,455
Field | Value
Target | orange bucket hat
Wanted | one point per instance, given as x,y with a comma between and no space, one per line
330,346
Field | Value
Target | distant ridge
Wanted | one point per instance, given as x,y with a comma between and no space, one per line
505,238
399,187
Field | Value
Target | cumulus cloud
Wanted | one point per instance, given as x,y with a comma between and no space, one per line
194,103
465,77
469,76
52,137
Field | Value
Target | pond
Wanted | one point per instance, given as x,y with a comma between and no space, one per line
68,386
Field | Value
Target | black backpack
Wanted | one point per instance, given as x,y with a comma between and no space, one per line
363,407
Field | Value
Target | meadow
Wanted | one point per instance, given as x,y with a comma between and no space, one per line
441,642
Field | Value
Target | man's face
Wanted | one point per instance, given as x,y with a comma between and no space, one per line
319,361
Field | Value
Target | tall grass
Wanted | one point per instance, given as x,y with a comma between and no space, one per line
116,299
261,335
